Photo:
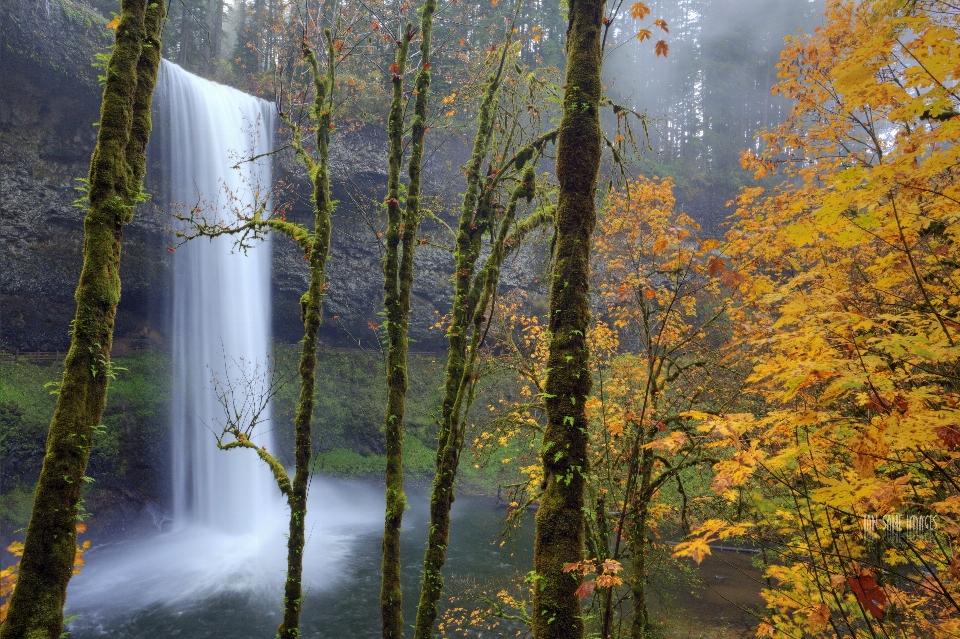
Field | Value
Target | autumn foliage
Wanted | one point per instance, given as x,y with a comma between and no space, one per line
849,276
8,576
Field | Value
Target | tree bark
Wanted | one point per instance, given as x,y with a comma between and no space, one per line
116,173
311,303
559,531
391,600
640,625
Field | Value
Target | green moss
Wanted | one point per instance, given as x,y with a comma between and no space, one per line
417,462
15,506
23,383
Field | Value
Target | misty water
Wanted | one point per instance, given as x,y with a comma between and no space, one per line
147,587
202,584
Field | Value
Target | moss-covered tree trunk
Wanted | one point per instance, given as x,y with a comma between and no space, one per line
473,293
311,305
116,173
559,529
398,285
391,601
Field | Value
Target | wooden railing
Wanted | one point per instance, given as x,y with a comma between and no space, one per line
56,357
36,357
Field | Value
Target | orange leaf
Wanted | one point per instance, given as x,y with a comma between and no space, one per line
732,278
638,11
716,265
662,48
868,593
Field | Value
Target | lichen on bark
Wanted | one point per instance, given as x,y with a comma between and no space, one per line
116,171
559,536
397,316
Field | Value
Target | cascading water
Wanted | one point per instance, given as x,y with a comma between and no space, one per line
221,298
228,536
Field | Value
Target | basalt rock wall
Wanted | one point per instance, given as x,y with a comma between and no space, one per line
49,102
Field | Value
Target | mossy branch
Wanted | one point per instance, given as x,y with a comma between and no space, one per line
311,308
279,472
478,215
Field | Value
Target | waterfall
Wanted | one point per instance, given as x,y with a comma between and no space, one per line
227,543
221,299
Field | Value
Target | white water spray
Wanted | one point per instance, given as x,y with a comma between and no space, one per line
221,298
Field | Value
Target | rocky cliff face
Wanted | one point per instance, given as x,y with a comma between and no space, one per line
49,100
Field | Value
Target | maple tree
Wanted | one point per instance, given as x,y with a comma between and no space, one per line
665,294
662,297
849,272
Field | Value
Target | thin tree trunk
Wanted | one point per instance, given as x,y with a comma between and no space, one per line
217,30
640,625
397,316
559,532
466,253
473,297
311,304
116,173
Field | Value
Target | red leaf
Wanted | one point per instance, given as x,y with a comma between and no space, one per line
868,593
586,589
950,436
716,265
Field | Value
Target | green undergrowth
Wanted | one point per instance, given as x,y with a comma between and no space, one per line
127,445
131,447
348,414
